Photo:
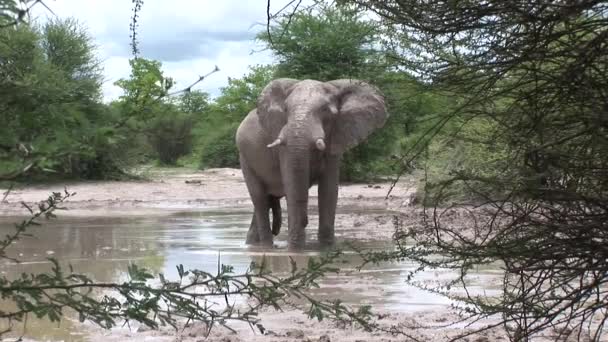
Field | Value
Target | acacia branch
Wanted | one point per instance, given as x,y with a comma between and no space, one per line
200,78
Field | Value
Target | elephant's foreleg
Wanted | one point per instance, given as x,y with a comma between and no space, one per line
259,197
252,235
263,221
328,199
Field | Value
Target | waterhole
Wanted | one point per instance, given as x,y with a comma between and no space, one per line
103,247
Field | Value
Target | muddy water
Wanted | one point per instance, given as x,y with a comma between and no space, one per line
103,247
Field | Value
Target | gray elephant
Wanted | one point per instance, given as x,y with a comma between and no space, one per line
294,139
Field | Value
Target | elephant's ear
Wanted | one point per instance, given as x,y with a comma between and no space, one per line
361,111
271,105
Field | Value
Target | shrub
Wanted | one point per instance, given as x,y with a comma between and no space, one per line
471,150
171,136
220,149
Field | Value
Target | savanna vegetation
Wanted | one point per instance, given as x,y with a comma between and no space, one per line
499,107
152,122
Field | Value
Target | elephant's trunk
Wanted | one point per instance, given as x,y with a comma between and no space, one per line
296,173
303,134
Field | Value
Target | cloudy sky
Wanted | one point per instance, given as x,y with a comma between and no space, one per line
189,37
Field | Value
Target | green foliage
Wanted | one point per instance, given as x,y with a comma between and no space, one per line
465,147
221,149
324,43
240,96
216,133
166,123
144,89
50,88
331,42
193,102
171,135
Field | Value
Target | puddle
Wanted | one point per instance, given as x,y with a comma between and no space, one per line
103,247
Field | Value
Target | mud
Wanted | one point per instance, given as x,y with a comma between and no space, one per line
182,216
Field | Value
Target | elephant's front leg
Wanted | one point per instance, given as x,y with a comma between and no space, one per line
259,230
328,199
252,235
262,221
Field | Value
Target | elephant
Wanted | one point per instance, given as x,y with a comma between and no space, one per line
295,138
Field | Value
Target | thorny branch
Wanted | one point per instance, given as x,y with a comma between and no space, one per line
15,14
270,17
537,70
200,78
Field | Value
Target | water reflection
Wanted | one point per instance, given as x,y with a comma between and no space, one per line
103,247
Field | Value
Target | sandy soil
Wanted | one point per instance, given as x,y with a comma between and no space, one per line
180,188
177,189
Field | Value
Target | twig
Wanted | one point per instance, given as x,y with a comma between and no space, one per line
269,18
7,192
200,78
25,12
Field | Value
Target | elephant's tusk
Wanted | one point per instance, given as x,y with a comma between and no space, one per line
320,144
333,109
274,143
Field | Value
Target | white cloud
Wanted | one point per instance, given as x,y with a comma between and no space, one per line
189,37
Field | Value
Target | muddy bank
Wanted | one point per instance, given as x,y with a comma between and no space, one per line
175,189
164,209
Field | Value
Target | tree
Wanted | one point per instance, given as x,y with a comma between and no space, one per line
147,110
328,42
324,43
217,132
50,86
532,77
193,102
14,12
144,89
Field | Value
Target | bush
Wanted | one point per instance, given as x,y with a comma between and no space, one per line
370,160
472,150
171,136
50,90
220,149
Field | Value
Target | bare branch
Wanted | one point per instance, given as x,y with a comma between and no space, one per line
200,78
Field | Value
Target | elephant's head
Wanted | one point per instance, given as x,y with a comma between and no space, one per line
305,119
334,115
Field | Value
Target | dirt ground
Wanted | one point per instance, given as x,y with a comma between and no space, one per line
183,188
179,189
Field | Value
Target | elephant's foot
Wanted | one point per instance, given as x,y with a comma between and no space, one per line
326,236
252,239
266,238
266,244
327,241
296,244
258,243
296,247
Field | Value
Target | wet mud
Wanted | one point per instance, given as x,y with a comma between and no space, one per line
198,218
